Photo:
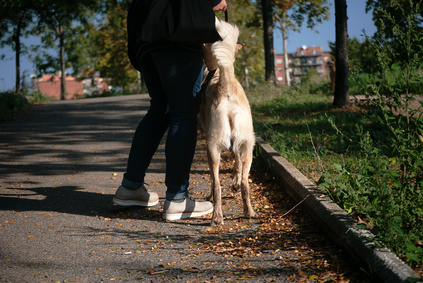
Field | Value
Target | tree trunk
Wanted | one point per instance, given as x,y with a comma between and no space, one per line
63,68
341,96
17,39
269,54
285,51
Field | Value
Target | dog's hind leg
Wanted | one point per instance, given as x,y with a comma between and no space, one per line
237,173
213,155
246,159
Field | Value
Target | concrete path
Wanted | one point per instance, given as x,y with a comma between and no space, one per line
60,164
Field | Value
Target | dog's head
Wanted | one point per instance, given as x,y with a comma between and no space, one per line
229,34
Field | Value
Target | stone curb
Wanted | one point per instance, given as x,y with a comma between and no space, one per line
336,223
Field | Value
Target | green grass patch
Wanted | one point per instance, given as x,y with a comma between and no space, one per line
366,159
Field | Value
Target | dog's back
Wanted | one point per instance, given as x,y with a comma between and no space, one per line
227,119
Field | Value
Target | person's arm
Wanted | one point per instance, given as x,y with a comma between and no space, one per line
219,5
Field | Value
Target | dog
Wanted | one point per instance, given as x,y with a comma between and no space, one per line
225,116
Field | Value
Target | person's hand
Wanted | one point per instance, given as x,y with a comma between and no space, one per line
221,6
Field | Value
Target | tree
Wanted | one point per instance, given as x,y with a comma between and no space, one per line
250,59
341,96
361,55
392,18
56,19
269,51
110,45
291,15
15,17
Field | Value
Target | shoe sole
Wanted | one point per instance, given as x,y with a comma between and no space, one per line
123,202
185,215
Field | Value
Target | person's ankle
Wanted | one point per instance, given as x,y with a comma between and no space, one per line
177,200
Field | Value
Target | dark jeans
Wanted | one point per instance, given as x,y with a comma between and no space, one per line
173,78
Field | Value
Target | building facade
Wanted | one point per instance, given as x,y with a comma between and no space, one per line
301,62
49,85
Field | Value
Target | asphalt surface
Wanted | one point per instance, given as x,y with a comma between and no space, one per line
60,164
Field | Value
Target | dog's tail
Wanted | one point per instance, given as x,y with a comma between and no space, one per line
224,51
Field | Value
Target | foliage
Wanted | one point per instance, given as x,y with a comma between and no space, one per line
249,63
361,55
393,18
38,97
109,41
55,25
313,12
369,159
349,154
15,18
11,103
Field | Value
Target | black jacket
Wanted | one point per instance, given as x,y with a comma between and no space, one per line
155,24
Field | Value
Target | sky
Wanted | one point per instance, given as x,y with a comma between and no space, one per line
358,20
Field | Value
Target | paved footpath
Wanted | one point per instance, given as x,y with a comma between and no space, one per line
60,164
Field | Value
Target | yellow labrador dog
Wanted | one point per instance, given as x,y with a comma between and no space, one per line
226,118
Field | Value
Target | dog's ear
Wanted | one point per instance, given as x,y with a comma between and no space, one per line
238,47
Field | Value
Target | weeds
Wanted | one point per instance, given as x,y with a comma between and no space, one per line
370,157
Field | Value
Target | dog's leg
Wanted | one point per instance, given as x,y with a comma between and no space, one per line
246,159
213,155
237,173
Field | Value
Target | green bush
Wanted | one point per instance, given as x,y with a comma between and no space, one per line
385,186
38,97
370,161
11,103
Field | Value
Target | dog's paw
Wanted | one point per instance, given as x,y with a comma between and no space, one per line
250,214
217,220
235,188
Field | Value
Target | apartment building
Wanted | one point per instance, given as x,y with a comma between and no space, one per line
300,62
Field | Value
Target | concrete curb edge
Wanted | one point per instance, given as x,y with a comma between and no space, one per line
336,223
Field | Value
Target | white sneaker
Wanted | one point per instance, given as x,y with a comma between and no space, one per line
187,209
139,197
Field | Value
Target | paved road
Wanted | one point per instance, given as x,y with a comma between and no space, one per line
60,164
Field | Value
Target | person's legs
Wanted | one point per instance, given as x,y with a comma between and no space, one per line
151,129
146,139
180,71
173,78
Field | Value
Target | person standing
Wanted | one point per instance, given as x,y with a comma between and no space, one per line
172,67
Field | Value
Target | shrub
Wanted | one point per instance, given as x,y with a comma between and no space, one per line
385,187
38,97
11,103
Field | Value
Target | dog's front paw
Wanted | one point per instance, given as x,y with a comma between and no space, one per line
250,214
217,220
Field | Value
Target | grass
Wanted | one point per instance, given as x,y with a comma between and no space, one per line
299,127
351,155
